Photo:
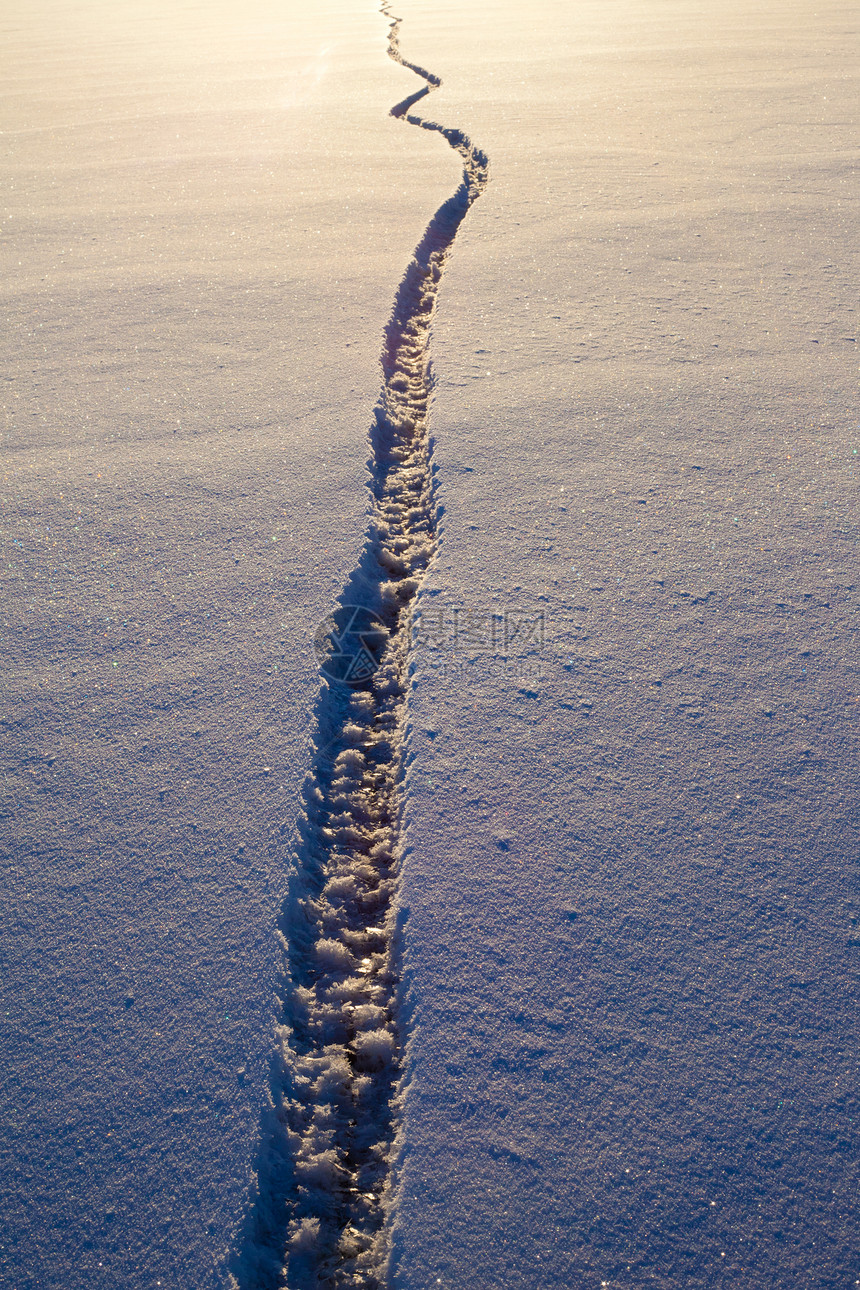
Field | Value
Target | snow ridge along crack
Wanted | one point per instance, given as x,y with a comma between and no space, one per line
322,1186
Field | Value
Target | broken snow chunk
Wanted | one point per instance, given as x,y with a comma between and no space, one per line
344,789
395,592
366,1016
304,1235
334,954
387,686
374,1049
366,873
365,939
323,1168
343,885
350,836
303,998
341,802
335,1080
374,901
352,1243
350,760
353,987
392,562
343,819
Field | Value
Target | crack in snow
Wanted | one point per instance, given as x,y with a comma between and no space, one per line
323,1193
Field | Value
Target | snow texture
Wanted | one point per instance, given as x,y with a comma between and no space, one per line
192,351
617,789
630,887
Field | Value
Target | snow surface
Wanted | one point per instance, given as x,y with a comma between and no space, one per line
628,896
208,212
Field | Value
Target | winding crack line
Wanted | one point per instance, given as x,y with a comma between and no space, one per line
323,1187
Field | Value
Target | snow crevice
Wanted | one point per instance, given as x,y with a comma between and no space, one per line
322,1198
